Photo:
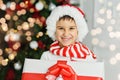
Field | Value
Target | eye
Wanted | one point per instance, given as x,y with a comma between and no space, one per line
60,28
72,28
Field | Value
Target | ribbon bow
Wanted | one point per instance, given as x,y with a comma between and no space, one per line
61,69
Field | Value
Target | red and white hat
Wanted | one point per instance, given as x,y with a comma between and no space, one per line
72,11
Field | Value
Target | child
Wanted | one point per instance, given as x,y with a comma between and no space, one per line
67,27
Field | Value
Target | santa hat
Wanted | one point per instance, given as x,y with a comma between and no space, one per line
72,11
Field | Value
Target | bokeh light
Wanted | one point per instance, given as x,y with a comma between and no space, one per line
100,20
110,3
112,47
1,52
119,76
110,28
118,7
117,56
102,10
25,26
95,41
113,61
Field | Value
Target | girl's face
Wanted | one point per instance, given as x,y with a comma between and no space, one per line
66,32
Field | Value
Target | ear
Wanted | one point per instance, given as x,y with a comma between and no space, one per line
77,32
55,35
77,36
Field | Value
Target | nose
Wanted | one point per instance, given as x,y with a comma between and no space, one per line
66,32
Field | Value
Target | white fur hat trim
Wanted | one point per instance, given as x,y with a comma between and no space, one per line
71,11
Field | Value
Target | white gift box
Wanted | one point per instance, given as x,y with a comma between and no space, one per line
37,67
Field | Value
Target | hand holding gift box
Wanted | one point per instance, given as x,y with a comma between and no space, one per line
69,70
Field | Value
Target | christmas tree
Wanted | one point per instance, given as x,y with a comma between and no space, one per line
23,33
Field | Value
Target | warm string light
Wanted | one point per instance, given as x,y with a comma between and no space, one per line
1,58
4,62
2,5
25,26
21,12
11,56
28,38
8,50
4,25
13,6
16,46
19,27
39,34
31,22
1,52
7,17
28,33
11,53
22,4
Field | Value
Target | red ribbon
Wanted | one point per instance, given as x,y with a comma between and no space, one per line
61,68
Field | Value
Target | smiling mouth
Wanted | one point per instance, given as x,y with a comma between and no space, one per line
66,39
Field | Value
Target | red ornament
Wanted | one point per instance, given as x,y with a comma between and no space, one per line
11,44
40,18
63,1
9,11
59,1
10,75
41,45
36,15
18,7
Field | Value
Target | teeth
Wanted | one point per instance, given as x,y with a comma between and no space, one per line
65,38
